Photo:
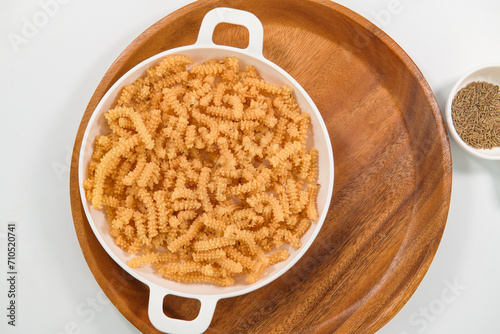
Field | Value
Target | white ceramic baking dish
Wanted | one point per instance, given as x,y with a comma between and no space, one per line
204,49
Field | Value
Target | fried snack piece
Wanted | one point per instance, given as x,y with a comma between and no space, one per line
205,174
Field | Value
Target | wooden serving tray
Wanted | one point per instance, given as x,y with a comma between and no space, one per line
392,173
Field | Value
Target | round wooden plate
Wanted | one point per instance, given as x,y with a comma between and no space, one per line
392,173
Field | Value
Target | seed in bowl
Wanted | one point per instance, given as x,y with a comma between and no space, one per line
205,174
476,114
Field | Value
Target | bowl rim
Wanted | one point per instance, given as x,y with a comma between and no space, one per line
262,282
449,119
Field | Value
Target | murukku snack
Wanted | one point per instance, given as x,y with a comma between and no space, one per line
205,174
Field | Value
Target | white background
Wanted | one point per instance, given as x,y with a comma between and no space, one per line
47,80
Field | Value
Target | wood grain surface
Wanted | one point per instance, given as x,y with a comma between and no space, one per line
392,173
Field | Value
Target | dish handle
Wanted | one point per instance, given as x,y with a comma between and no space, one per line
176,326
233,16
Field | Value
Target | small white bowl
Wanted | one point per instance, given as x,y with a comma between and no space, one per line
489,73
